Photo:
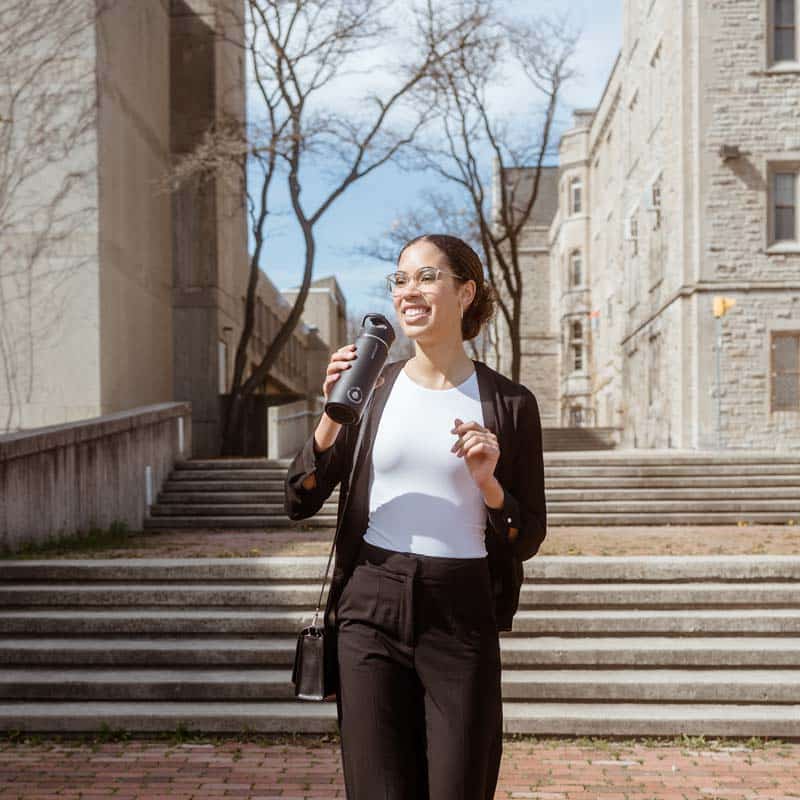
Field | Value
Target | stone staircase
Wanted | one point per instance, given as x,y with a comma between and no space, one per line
631,645
611,487
579,438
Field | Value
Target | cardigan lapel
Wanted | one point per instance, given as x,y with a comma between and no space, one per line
486,389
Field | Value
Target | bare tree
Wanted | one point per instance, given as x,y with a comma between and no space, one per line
469,138
47,119
296,50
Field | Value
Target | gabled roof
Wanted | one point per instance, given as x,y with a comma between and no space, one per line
546,205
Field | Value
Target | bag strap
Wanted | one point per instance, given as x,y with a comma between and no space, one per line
359,439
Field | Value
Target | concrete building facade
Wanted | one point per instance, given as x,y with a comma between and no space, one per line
140,299
680,187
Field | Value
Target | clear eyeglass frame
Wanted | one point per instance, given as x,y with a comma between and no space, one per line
425,276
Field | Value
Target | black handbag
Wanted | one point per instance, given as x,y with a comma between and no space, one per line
311,652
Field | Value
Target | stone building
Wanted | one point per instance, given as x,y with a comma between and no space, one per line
681,188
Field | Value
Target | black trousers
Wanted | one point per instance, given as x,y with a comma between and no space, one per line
419,704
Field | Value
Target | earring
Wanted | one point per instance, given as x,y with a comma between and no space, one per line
461,309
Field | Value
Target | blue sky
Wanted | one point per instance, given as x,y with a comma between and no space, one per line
367,209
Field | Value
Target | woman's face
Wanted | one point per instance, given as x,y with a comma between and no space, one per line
434,308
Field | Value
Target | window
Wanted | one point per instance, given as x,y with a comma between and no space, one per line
575,416
655,95
654,370
655,199
576,345
222,366
785,371
784,40
632,126
575,192
575,268
784,206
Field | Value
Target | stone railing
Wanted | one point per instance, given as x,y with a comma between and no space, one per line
290,425
62,479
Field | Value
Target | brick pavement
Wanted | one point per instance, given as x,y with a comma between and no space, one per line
308,767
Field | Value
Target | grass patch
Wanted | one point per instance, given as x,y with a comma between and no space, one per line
95,539
184,733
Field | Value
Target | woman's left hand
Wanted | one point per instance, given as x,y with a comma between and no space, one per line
479,447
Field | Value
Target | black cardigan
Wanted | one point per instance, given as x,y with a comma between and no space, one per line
513,533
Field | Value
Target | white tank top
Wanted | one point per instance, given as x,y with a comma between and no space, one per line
422,498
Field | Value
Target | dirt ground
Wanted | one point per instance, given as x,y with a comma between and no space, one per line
600,541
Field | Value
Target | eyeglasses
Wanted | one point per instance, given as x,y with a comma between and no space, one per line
425,276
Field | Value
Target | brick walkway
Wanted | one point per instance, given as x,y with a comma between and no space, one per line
309,768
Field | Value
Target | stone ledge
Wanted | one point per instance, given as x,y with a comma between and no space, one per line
37,440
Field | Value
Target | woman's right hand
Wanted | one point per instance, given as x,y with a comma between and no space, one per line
340,361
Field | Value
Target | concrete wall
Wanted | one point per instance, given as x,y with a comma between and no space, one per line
210,228
67,478
135,226
49,282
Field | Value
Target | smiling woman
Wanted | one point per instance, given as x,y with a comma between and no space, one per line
428,567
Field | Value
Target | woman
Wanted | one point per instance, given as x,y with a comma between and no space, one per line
417,646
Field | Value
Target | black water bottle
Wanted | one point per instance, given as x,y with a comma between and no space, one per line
354,386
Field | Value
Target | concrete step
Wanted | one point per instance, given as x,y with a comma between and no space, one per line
736,503
698,685
273,500
752,497
554,519
668,469
610,517
187,474
132,684
228,509
168,621
618,454
609,468
528,651
248,683
304,596
585,719
634,483
229,523
674,456
146,644
272,497
571,504
541,569
271,486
